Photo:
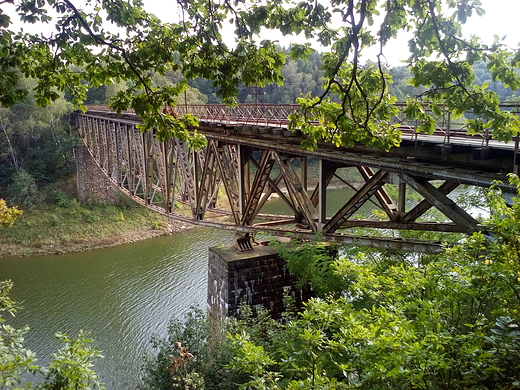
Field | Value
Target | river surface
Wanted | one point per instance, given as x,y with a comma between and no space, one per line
121,296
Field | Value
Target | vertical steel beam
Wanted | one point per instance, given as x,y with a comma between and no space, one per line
401,203
304,172
324,180
242,178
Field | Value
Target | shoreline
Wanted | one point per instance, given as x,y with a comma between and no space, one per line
77,245
77,229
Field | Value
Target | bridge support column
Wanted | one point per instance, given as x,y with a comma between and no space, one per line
92,183
257,278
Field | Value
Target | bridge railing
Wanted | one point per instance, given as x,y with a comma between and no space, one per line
276,115
256,114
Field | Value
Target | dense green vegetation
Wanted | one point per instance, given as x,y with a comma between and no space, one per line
70,367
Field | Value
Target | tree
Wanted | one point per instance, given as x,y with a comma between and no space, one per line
8,215
14,358
354,106
23,190
37,141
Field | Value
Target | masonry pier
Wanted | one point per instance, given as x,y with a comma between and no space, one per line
257,278
92,182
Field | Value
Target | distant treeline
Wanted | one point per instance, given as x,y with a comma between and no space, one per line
301,78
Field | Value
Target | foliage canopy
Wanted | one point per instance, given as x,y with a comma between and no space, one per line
104,42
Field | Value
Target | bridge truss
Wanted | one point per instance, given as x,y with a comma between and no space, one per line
228,183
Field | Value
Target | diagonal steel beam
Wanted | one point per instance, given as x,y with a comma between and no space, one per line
444,204
226,164
384,199
208,181
357,200
259,182
187,174
297,191
445,188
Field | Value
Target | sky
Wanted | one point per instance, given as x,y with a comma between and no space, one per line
501,18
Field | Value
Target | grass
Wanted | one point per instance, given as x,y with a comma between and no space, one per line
68,226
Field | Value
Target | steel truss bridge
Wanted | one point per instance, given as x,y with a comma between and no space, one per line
250,157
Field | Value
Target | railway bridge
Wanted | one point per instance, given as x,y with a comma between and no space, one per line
251,157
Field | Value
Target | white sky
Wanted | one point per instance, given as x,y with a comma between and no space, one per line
501,18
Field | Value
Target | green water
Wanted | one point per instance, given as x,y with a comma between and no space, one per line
121,295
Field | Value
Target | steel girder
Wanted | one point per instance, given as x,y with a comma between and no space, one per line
236,175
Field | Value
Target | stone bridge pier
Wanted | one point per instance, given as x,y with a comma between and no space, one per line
92,182
257,278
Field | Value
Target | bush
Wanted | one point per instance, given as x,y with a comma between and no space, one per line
70,368
8,214
60,198
211,352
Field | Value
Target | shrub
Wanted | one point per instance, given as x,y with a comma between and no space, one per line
23,191
70,368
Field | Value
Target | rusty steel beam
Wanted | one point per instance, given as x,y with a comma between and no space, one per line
264,167
447,227
298,194
442,203
445,188
386,202
354,203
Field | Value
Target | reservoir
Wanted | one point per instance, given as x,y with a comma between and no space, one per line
121,296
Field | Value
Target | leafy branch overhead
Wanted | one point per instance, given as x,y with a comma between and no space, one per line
104,42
